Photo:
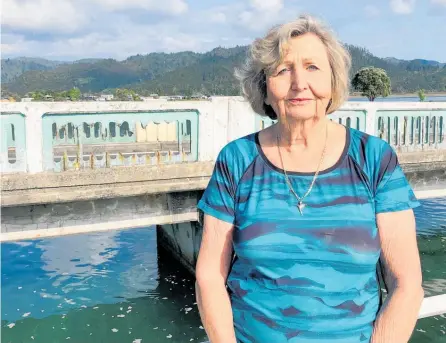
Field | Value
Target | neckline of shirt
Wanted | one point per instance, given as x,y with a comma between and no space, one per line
297,173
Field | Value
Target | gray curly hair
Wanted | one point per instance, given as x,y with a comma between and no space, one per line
266,54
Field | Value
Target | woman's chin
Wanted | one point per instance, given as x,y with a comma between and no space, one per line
301,115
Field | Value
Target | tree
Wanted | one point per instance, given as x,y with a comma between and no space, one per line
74,94
372,82
421,95
123,94
37,96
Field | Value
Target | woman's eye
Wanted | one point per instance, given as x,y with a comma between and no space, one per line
313,67
283,70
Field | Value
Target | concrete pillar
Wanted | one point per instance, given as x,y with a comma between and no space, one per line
140,133
34,139
220,119
370,125
151,132
206,149
172,131
182,241
241,119
162,131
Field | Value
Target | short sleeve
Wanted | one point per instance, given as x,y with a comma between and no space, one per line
393,191
218,197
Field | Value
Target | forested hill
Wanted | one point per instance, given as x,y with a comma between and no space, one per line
187,73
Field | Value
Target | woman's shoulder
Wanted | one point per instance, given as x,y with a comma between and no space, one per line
368,148
240,148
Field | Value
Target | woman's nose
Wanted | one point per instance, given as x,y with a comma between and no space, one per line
298,80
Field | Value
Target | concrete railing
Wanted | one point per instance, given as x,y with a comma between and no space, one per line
13,143
63,136
433,306
101,140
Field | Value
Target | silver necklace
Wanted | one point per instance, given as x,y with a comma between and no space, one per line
300,203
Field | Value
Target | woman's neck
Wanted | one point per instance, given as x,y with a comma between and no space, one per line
301,134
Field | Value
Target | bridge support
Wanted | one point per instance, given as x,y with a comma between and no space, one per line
182,240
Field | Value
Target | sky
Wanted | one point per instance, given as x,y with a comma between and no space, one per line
75,29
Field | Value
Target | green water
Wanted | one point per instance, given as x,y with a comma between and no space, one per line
433,257
112,289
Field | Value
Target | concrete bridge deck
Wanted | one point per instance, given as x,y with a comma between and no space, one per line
75,165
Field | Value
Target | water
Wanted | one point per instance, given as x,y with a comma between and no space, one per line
402,99
108,287
116,287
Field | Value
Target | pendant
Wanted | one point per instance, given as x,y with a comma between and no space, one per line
300,206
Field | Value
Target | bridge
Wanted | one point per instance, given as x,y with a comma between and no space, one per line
76,167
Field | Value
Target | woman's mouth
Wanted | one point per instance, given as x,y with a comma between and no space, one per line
300,101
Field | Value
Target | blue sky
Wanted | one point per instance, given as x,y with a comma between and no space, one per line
74,29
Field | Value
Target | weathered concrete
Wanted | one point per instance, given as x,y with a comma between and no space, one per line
226,118
220,121
182,240
83,185
426,176
32,221
418,157
426,168
56,204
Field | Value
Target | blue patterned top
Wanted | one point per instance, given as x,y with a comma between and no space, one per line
312,277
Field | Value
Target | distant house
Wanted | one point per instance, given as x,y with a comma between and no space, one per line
105,97
89,97
199,96
176,97
149,98
26,99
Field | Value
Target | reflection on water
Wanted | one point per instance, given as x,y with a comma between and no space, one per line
431,217
115,287
110,287
431,229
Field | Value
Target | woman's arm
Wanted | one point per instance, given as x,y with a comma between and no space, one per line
212,268
398,316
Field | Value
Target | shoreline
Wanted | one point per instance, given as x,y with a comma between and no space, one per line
403,95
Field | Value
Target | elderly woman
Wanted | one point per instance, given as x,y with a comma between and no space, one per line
309,207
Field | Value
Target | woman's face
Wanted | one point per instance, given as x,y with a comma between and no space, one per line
300,87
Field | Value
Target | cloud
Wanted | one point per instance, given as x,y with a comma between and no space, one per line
174,7
371,11
60,17
259,15
125,40
439,2
270,5
12,43
402,6
43,15
218,17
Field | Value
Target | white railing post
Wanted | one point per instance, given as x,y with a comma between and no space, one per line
370,120
34,138
433,306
